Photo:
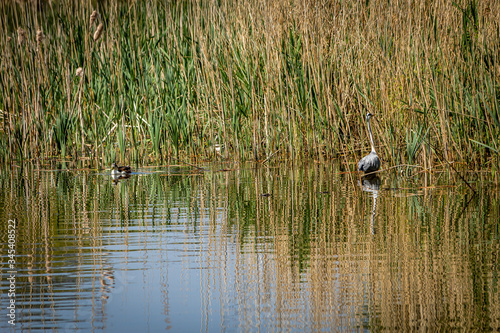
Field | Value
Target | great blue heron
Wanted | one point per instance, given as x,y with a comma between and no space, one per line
370,162
120,170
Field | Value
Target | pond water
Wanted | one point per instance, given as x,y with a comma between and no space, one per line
302,248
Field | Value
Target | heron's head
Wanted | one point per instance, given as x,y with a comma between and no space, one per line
369,115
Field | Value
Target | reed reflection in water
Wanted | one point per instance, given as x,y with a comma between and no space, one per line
280,249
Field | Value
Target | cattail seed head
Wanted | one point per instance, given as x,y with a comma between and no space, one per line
40,37
21,36
93,17
79,72
98,32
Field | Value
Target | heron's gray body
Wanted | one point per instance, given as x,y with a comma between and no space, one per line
370,162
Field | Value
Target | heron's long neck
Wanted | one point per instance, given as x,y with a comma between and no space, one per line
371,135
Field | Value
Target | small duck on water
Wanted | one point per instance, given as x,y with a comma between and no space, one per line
120,170
117,177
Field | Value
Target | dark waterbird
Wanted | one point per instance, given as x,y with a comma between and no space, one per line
120,170
370,162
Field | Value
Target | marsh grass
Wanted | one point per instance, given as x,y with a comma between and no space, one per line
147,81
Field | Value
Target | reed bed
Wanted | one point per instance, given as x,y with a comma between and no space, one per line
143,82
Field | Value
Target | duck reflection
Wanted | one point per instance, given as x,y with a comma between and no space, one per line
371,184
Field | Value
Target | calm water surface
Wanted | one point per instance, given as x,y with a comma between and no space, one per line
256,249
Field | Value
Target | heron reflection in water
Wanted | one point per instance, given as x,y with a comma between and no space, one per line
371,184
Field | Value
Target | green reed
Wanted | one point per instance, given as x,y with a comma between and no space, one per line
268,80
